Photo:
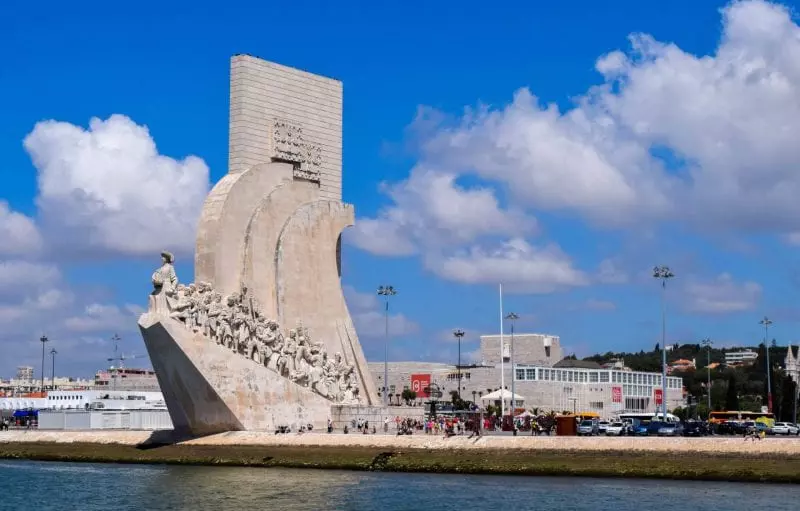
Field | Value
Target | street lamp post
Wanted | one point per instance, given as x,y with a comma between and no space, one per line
386,292
53,354
44,341
663,273
512,316
458,333
767,322
707,343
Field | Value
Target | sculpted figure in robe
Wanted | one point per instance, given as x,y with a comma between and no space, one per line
165,282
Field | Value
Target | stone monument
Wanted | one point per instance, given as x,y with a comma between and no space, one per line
263,338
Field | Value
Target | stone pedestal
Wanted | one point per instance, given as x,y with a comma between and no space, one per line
210,389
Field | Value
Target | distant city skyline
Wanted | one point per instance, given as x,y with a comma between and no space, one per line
560,153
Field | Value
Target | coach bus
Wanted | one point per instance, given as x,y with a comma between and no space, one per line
767,418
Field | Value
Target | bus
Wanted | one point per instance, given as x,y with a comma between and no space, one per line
766,418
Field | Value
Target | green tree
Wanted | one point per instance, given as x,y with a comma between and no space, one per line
732,396
408,395
458,403
786,409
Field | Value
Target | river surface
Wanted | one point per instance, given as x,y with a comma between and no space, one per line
45,486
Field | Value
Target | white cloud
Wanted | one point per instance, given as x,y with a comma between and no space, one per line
721,295
18,233
369,318
21,279
520,266
666,135
609,272
432,211
103,318
107,189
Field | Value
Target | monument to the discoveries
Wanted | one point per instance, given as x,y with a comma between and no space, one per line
263,338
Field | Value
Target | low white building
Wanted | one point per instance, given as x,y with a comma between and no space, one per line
739,357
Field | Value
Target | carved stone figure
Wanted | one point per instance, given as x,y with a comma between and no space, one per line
165,281
237,324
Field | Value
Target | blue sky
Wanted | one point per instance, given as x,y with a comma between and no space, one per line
563,150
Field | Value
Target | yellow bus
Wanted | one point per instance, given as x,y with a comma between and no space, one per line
766,418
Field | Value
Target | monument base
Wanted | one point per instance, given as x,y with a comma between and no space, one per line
210,389
342,415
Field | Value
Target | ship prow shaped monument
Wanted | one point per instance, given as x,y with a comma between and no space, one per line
263,339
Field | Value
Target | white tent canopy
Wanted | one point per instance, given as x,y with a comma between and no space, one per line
503,394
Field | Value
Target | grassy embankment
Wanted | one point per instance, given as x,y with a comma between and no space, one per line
756,468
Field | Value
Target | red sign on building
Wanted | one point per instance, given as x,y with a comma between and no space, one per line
420,384
659,396
616,394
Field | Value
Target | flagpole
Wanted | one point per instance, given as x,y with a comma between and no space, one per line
502,359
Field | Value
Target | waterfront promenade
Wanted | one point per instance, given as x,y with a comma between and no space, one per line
709,458
711,445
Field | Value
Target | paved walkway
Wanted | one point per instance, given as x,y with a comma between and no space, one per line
775,445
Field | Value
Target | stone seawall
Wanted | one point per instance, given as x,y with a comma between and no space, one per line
731,459
711,445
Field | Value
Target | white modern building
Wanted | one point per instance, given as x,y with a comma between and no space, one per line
541,376
792,363
740,357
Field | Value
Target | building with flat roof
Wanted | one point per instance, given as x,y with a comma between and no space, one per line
740,357
24,373
541,375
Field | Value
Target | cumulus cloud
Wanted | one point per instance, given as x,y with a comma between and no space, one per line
431,210
106,189
103,191
708,139
369,319
665,135
18,279
98,317
721,295
520,266
19,235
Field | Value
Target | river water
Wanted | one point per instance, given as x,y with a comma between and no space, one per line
44,486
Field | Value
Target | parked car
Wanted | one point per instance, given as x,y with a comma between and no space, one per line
588,428
602,426
616,429
654,427
638,429
694,428
671,429
785,428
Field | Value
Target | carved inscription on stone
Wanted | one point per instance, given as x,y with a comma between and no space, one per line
237,323
289,143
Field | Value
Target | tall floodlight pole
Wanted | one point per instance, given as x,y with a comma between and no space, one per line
53,354
458,333
767,322
707,343
44,341
502,358
663,273
386,292
512,316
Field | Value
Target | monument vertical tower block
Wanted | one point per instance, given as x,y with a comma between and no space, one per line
268,99
268,253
